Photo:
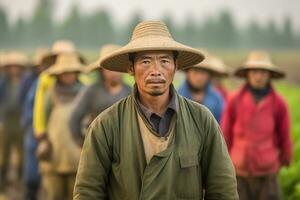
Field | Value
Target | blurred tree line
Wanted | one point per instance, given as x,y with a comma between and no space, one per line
91,31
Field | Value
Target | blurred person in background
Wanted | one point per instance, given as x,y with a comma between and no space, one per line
57,151
30,75
198,87
218,78
109,89
31,172
256,127
12,135
2,63
47,82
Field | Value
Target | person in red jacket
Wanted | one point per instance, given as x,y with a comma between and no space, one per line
256,127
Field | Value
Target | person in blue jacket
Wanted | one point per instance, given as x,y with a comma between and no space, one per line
198,87
31,172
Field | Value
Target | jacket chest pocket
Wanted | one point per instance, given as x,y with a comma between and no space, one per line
188,180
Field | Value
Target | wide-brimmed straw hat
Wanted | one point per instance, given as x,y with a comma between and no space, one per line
60,47
147,36
2,59
15,58
259,60
104,51
66,62
39,56
212,64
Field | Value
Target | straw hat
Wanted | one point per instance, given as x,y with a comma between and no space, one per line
104,51
2,59
66,62
15,58
150,35
259,60
60,47
39,56
211,63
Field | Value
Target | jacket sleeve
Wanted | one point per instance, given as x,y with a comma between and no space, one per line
95,164
27,113
227,122
82,106
219,178
283,129
39,114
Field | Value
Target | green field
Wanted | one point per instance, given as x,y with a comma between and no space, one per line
290,177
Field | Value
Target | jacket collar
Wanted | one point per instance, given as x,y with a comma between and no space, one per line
173,104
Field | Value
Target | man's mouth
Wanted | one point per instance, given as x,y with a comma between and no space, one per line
156,81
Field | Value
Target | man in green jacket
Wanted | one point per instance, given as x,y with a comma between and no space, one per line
154,144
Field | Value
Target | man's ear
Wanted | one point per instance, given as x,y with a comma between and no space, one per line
130,70
176,65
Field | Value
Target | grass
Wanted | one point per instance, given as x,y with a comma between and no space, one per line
290,177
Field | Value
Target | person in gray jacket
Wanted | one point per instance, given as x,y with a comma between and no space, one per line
97,97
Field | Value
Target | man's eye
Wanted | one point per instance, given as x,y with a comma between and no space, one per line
145,61
165,61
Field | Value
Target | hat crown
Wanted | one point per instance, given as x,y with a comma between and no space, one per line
39,55
63,46
212,63
67,59
259,56
150,29
107,49
16,57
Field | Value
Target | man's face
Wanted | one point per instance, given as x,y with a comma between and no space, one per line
112,77
197,78
68,78
258,78
14,70
153,71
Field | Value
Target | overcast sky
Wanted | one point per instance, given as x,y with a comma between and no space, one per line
121,10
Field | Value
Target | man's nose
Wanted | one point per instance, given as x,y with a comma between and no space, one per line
156,67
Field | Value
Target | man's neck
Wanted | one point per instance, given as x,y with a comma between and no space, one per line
198,96
259,93
157,104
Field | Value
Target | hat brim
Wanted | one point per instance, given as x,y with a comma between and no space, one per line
204,67
51,57
92,67
21,65
119,60
242,72
57,70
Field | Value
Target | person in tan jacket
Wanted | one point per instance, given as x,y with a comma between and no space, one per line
57,151
10,112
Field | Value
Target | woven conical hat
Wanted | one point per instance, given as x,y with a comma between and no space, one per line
60,47
259,60
104,51
16,58
147,36
39,55
2,59
212,64
66,62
